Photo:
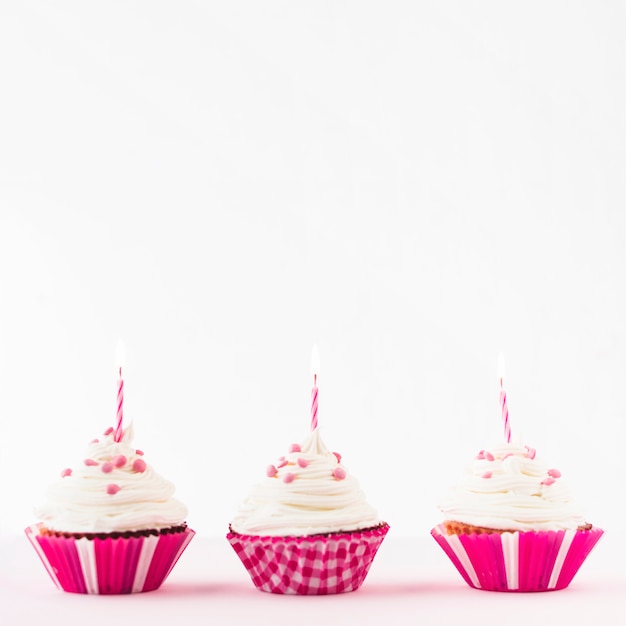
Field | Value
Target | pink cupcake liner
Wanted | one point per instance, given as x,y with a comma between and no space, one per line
111,565
518,561
316,565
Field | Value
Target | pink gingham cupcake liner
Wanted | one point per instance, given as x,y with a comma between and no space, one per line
109,565
518,561
315,565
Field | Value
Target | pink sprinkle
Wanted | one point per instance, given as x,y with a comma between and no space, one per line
294,447
139,465
282,463
288,477
271,470
66,472
507,455
339,473
303,462
548,481
139,452
94,441
554,473
107,467
487,474
119,460
489,456
112,489
530,452
481,455
90,462
108,431
338,456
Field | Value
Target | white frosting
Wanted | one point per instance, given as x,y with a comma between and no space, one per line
80,502
314,502
522,493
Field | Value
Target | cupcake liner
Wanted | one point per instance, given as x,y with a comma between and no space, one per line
316,565
518,561
110,565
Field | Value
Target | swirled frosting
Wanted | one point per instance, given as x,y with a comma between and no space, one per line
508,488
111,490
308,492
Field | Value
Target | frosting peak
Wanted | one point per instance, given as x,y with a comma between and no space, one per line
112,489
508,488
307,492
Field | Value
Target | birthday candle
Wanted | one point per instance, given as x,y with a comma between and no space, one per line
119,357
315,367
503,403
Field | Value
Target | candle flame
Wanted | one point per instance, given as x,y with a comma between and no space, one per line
315,362
120,356
501,367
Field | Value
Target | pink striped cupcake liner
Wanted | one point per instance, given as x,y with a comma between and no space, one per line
518,561
110,565
316,565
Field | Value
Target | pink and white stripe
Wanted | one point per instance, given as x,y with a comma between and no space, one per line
314,405
519,561
119,431
109,566
505,414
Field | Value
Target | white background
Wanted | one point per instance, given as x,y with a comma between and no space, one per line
413,186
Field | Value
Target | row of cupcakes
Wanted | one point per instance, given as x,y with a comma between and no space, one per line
112,525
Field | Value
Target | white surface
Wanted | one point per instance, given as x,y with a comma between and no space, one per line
411,582
222,184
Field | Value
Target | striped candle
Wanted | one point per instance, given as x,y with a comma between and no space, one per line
505,414
119,430
315,366
120,408
314,393
503,404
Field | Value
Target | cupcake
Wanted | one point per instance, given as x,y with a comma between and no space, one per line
511,524
110,525
307,528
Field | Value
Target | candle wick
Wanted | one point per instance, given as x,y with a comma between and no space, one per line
315,379
500,381
120,371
